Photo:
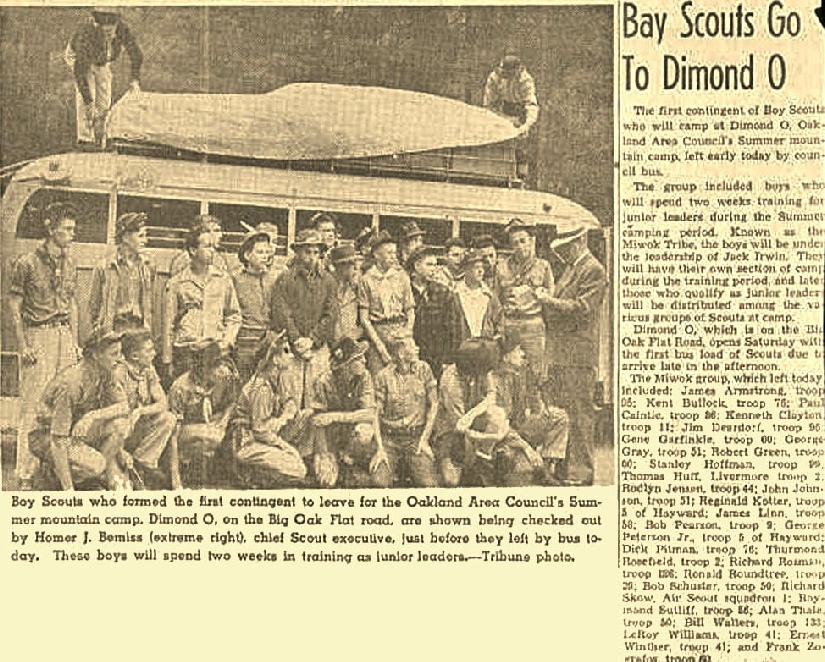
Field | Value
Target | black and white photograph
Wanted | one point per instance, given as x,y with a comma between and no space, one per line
307,247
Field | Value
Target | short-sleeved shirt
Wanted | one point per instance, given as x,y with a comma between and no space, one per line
73,393
254,292
457,394
521,279
46,285
515,391
329,393
141,387
385,295
263,397
403,396
200,308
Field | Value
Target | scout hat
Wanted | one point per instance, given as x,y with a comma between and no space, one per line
248,242
568,236
471,257
100,338
129,222
419,254
510,62
309,237
343,254
517,224
105,15
383,237
410,230
483,241
345,352
363,241
454,241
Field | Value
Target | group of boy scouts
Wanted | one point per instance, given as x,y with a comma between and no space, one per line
377,363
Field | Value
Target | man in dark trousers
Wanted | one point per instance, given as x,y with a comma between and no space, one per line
90,53
573,316
436,311
305,305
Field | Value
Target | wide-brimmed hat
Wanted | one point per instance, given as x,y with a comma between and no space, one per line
410,230
105,15
383,237
419,254
568,236
454,241
483,241
519,225
471,257
345,352
510,62
130,222
364,239
99,338
343,254
309,237
248,242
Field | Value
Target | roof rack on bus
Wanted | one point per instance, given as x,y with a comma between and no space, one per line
483,166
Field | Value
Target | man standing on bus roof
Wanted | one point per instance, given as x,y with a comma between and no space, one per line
511,91
525,281
122,292
573,317
90,53
44,314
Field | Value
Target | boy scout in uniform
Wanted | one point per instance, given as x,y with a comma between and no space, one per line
44,313
407,396
82,422
346,438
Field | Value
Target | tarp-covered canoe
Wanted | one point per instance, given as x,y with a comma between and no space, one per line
306,121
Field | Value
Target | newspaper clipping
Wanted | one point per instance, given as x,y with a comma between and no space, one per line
338,327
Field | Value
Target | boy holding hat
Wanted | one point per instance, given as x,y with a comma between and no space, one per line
525,281
573,317
123,287
344,429
262,419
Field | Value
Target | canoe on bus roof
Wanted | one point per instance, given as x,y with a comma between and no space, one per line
312,121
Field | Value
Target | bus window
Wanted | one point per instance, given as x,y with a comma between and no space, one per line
437,230
350,224
234,231
168,218
93,212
